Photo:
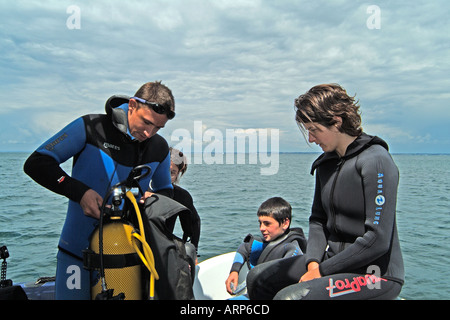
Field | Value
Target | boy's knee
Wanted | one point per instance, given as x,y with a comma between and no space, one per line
260,272
258,280
294,292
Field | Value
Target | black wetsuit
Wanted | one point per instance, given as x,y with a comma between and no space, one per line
184,197
352,232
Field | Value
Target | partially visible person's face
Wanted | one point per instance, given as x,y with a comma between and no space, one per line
326,138
174,171
270,228
143,122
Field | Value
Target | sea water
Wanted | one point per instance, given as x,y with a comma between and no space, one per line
227,197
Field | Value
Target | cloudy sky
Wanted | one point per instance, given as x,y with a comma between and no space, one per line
236,64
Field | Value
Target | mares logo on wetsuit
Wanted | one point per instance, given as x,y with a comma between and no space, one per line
107,145
52,144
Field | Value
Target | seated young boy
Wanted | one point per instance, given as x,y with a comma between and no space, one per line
278,240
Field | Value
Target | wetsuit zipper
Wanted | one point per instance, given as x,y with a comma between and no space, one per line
333,213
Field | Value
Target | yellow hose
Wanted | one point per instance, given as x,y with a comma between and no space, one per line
147,258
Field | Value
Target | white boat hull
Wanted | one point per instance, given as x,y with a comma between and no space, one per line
210,276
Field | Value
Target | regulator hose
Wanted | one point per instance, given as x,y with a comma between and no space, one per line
147,258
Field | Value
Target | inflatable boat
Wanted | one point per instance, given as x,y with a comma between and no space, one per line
209,282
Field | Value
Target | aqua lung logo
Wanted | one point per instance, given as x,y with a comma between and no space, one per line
380,200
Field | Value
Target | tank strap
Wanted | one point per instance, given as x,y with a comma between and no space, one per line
73,255
91,260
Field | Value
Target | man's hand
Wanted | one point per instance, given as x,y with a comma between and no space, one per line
91,203
147,194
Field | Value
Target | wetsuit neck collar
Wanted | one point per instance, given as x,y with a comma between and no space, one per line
120,119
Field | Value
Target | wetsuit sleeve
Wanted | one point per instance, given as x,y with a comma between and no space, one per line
43,166
318,234
196,225
380,177
184,197
161,180
242,255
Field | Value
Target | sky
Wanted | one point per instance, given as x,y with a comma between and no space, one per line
234,65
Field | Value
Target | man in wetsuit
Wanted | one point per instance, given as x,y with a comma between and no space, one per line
104,148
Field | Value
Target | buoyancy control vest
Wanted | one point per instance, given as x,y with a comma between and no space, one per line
270,251
175,267
254,250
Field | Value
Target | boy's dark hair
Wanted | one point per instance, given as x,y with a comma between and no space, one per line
277,208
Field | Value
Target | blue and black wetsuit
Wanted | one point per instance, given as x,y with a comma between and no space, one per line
104,152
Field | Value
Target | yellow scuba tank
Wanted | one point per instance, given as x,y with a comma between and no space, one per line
119,252
121,262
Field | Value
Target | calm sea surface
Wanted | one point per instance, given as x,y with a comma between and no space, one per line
227,197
